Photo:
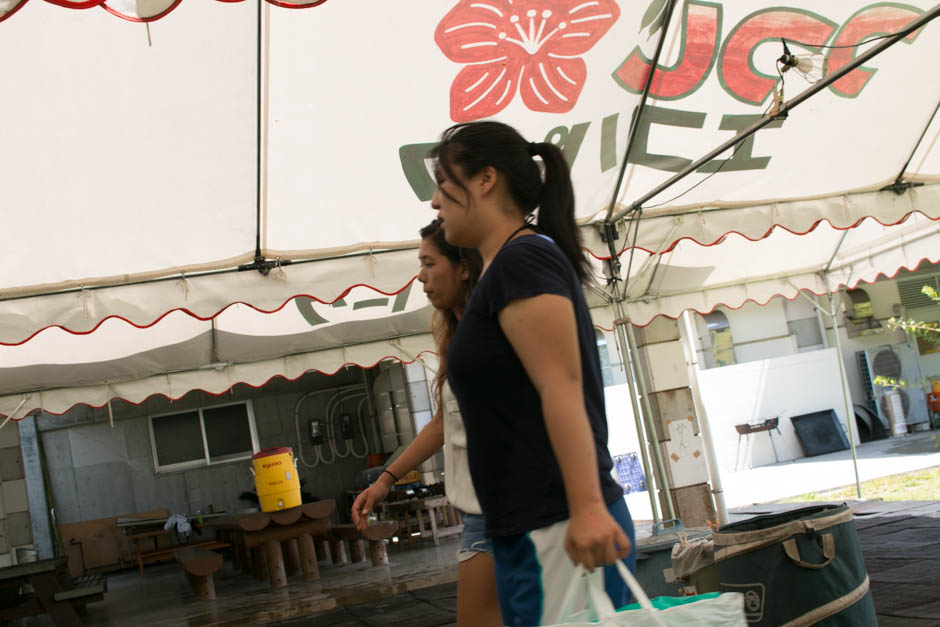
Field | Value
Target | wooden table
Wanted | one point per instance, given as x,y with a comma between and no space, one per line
140,531
274,545
434,517
56,594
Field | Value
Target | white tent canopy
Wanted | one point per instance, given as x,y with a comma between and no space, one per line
142,166
180,353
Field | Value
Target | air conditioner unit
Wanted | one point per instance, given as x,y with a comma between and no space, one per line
899,362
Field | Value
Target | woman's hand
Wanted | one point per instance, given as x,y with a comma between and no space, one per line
366,500
594,538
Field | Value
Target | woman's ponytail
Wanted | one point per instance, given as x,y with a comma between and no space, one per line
556,207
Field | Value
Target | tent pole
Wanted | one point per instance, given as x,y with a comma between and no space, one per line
258,155
651,480
784,109
642,390
822,328
849,412
711,458
898,185
638,112
846,396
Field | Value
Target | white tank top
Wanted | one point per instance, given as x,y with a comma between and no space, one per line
457,482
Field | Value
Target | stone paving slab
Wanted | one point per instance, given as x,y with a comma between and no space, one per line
429,607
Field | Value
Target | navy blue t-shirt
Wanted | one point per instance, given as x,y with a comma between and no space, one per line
514,470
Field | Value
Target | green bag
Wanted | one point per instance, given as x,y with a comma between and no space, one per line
802,567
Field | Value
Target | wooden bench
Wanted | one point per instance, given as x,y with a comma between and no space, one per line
199,564
163,554
85,589
54,592
376,534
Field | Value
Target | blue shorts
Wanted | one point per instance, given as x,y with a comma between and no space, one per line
473,539
533,572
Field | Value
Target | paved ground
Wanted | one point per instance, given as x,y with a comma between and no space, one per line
814,474
900,542
429,607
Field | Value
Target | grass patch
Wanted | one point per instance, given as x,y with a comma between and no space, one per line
918,485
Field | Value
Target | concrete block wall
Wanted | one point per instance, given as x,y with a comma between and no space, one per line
97,470
15,526
665,372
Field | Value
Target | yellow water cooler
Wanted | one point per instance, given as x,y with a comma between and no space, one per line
276,480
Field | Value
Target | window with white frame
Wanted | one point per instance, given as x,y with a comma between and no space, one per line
203,437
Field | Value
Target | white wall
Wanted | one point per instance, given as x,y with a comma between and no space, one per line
786,386
621,426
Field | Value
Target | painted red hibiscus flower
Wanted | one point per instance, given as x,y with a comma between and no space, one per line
530,46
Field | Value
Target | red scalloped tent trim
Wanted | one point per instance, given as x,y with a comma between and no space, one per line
228,389
342,295
430,352
140,20
797,295
767,233
255,387
90,4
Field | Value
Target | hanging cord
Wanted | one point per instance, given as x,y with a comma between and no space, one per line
717,170
184,285
300,441
861,43
898,186
636,230
331,412
362,431
107,393
26,397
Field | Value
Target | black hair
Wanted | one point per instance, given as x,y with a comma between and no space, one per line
474,145
444,323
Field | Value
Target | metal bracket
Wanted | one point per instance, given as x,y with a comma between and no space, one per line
264,266
899,187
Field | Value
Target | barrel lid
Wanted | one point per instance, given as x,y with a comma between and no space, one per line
277,450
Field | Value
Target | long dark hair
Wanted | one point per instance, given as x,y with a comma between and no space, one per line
474,145
444,322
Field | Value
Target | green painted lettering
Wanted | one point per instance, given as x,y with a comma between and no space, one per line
413,163
569,140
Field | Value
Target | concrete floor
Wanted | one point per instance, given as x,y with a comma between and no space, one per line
901,543
163,597
899,540
813,474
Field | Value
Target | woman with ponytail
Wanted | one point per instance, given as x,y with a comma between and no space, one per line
524,367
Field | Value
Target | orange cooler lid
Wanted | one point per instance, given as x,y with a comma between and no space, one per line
277,450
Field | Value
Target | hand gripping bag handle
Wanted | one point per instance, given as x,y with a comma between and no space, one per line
597,596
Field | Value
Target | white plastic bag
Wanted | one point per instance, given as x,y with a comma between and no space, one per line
725,610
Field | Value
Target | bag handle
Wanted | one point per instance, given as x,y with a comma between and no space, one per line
597,596
828,546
